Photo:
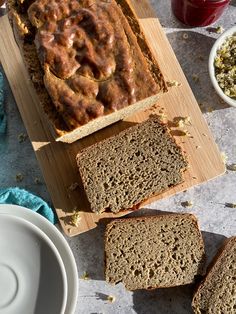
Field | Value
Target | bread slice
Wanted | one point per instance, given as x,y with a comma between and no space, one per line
154,251
120,172
217,292
88,60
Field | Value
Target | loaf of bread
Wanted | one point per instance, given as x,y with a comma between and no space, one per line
141,161
89,62
217,292
154,251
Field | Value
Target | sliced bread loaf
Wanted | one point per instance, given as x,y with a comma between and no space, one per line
153,252
128,168
217,292
88,60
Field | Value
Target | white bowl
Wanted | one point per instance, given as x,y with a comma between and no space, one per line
212,56
33,277
61,244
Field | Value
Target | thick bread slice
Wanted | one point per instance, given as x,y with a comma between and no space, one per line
122,171
217,292
154,252
83,89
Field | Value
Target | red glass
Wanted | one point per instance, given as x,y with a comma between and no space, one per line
198,12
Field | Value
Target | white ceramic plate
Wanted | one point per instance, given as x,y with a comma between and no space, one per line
32,273
62,246
218,43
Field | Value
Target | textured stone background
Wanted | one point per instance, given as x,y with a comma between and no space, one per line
216,220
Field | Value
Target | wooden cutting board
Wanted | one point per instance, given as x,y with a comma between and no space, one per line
57,160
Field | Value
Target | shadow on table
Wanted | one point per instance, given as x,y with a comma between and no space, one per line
233,3
192,51
91,243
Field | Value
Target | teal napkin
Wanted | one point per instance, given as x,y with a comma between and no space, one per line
3,119
24,198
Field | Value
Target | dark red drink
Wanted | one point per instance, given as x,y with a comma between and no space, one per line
198,12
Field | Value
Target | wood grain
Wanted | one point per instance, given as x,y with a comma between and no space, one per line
57,160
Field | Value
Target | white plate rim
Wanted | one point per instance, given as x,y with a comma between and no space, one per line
59,241
41,235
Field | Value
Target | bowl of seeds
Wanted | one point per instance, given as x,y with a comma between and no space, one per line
222,66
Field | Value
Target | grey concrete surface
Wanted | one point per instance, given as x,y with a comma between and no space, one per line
216,220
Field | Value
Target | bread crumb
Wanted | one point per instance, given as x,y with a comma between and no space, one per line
230,205
198,146
224,157
75,219
173,83
180,122
19,177
22,137
163,118
111,299
73,186
187,133
187,204
231,167
85,276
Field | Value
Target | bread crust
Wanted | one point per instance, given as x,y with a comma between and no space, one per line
60,129
211,269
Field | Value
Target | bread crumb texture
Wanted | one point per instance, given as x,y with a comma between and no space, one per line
152,252
217,293
124,170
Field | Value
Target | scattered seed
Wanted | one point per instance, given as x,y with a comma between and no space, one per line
111,299
219,29
85,276
231,167
224,157
187,204
73,186
230,205
19,177
22,137
37,181
75,219
196,78
209,109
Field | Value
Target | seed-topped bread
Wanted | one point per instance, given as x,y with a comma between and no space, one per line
217,292
121,171
89,61
154,251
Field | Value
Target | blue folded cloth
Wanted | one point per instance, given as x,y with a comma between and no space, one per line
24,198
3,118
